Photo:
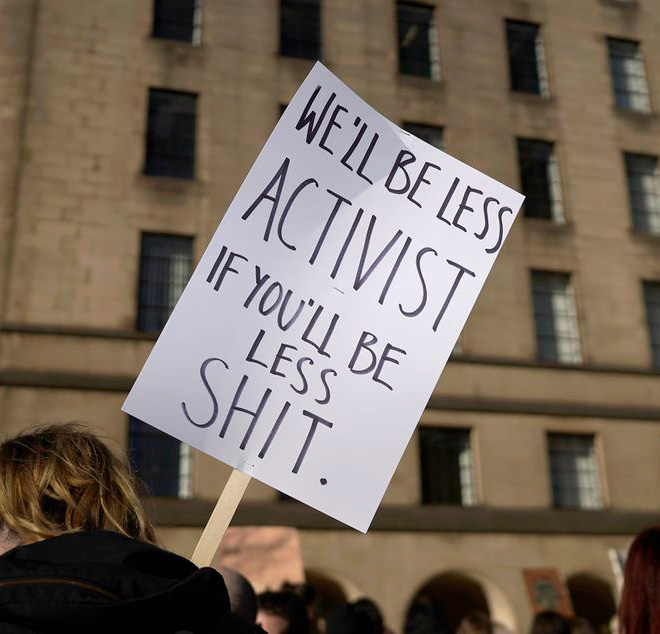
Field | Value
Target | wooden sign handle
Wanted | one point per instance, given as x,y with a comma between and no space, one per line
222,515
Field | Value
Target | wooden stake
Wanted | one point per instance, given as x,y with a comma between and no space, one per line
222,515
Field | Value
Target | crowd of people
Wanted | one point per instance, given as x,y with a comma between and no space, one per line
78,554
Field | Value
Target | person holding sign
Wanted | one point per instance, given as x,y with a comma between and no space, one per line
80,554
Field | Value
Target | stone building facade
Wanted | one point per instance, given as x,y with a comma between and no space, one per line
534,371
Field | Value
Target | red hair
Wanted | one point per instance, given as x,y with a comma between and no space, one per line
639,612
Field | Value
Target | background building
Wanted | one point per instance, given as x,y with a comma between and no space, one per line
127,126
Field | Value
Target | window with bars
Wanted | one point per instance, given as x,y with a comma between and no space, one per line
539,178
652,301
557,332
447,466
179,20
631,89
171,131
574,471
430,133
527,68
162,463
166,264
644,192
418,41
300,28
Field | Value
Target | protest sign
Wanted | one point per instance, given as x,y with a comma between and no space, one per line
547,591
313,331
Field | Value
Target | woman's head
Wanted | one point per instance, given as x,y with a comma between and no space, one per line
641,585
61,479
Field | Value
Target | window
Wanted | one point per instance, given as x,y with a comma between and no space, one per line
526,58
631,90
418,41
179,20
429,133
539,177
165,267
447,468
652,300
557,333
300,28
171,134
644,192
574,472
161,462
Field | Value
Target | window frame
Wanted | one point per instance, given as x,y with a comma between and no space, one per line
556,198
412,126
196,21
433,53
157,442
570,340
644,111
141,290
644,221
155,157
542,73
596,455
473,498
653,334
301,53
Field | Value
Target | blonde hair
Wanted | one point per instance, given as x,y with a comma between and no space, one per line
61,479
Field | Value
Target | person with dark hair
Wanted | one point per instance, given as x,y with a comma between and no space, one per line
361,617
80,554
550,622
581,626
475,623
282,613
242,597
640,599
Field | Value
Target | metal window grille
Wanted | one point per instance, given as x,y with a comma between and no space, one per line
527,66
418,41
574,471
165,266
539,176
644,192
162,463
557,332
429,133
631,89
447,466
179,20
652,300
171,134
300,28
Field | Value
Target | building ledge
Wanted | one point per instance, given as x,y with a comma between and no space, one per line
442,519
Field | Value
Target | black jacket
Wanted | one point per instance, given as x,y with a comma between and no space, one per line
105,582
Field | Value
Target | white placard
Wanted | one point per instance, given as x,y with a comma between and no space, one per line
313,331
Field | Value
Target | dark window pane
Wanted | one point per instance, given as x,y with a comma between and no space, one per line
631,90
177,20
155,457
417,48
555,316
446,463
300,28
539,178
165,267
524,64
652,300
574,471
429,133
171,134
644,192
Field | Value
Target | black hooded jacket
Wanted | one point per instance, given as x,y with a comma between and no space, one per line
105,582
